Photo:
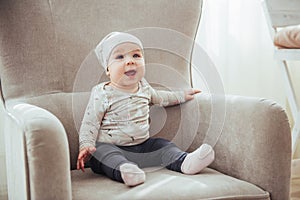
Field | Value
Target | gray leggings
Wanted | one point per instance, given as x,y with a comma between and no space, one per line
153,152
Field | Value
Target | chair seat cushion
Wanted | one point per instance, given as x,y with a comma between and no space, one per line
165,184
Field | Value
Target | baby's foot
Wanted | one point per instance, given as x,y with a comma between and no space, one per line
132,175
199,159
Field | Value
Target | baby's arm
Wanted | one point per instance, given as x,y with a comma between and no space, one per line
90,125
83,156
169,98
189,94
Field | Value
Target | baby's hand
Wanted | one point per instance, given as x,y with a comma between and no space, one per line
189,94
83,156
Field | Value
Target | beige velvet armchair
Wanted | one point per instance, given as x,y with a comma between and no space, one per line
48,68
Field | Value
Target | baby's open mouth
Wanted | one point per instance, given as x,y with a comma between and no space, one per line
130,73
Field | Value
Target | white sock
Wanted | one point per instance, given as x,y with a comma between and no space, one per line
132,175
199,159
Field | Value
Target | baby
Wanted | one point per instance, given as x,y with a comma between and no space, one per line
114,134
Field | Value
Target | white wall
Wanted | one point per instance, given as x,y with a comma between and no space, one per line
3,187
235,35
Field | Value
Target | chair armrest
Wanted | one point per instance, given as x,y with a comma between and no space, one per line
255,142
37,154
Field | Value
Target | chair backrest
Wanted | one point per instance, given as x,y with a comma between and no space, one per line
46,48
44,43
282,13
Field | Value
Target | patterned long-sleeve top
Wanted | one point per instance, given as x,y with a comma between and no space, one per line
121,118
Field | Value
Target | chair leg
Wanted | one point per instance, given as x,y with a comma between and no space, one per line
295,134
289,89
292,102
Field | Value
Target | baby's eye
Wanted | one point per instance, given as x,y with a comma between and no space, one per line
119,57
136,55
